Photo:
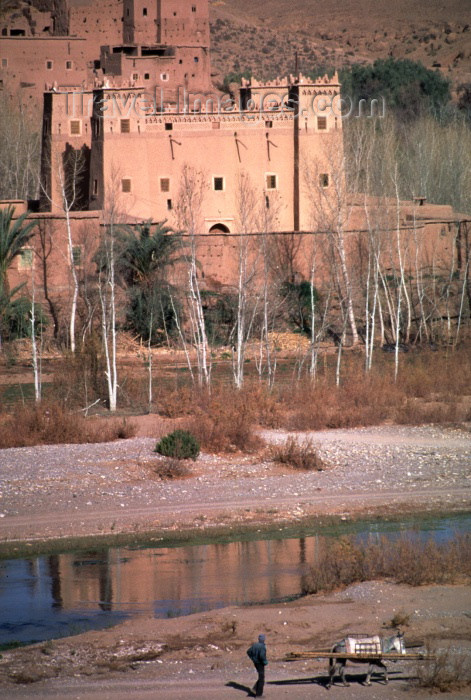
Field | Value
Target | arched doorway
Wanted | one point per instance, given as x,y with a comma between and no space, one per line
219,228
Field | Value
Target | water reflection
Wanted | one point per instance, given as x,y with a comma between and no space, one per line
61,594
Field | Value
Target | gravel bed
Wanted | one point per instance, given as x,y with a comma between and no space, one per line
365,462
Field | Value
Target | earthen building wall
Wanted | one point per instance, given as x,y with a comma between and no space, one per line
29,65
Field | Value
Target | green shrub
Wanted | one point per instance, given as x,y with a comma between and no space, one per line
180,444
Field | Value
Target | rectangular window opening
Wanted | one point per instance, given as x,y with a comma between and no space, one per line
271,182
269,125
322,123
218,183
169,204
324,180
68,65
77,255
165,184
75,127
4,62
168,126
144,11
25,261
126,184
125,126
49,65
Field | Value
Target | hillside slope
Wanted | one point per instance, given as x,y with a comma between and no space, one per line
265,36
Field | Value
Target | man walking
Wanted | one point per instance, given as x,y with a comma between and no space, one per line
258,653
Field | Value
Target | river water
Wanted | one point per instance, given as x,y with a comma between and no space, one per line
62,594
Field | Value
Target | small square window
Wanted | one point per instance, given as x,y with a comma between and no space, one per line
323,180
322,123
75,127
135,76
146,76
4,62
196,59
218,183
168,126
49,65
68,65
271,182
164,76
126,184
269,125
125,126
25,261
165,184
77,255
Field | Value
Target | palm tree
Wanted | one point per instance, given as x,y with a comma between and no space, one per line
146,251
14,235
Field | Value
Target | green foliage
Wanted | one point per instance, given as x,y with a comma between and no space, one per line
219,316
144,254
298,303
150,314
235,77
14,235
180,444
407,87
17,319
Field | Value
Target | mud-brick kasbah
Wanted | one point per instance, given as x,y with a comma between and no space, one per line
126,92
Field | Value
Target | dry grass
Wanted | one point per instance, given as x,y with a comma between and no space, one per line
224,421
171,468
346,560
298,455
445,670
50,423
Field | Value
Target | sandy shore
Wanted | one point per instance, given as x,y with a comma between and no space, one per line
63,493
203,656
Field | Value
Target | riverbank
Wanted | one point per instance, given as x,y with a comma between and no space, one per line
62,496
202,656
67,496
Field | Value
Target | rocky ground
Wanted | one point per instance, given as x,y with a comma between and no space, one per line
57,491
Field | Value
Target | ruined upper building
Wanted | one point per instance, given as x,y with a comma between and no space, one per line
70,45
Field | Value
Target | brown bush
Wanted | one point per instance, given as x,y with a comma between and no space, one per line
171,468
346,560
443,670
224,421
50,423
298,455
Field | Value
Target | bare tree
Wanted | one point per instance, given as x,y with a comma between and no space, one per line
69,171
188,211
330,209
246,272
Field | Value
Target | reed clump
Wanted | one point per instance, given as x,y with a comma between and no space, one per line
346,560
298,454
50,423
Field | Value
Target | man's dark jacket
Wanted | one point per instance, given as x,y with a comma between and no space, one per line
258,653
